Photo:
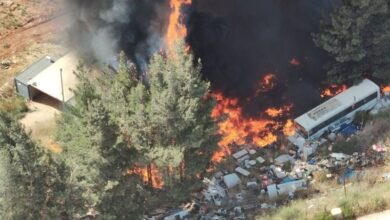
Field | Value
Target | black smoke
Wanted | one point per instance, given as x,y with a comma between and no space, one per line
239,41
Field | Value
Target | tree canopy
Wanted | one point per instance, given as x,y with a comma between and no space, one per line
356,36
132,128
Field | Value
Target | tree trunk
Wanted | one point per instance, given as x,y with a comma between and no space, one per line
150,175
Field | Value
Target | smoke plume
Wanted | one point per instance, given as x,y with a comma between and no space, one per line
99,29
238,42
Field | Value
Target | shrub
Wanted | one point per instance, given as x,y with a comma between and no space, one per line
291,213
325,215
14,105
347,147
347,210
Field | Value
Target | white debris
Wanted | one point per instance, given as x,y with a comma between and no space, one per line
242,171
339,156
231,180
291,187
336,212
240,154
260,160
214,193
251,185
252,162
272,191
386,177
284,158
279,173
252,151
244,158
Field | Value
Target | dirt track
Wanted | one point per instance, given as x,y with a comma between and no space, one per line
35,32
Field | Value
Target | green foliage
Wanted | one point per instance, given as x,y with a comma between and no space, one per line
325,215
347,210
14,105
347,147
121,121
179,107
356,35
31,182
291,213
361,117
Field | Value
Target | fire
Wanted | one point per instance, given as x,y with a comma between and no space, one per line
386,88
176,29
295,62
267,83
289,129
154,178
333,90
239,130
277,112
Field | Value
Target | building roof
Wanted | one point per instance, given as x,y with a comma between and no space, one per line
34,69
337,104
49,80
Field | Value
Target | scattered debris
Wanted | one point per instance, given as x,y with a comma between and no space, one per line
231,180
242,171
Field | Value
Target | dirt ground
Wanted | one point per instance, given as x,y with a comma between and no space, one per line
24,44
41,121
385,215
29,30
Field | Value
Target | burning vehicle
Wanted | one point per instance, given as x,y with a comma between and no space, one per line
341,109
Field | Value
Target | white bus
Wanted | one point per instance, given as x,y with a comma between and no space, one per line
341,109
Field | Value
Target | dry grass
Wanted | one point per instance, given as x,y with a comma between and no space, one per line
15,14
363,197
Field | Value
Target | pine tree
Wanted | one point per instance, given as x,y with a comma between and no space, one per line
32,184
97,156
180,111
356,37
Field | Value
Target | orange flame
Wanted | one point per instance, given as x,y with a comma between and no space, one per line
239,130
295,62
386,88
267,83
289,129
333,90
277,112
154,178
176,29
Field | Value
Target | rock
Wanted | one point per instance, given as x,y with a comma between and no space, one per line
336,213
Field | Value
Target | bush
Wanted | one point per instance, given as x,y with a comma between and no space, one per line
291,213
361,116
347,210
14,105
347,147
325,215
320,176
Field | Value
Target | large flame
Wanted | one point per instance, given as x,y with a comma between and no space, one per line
153,178
333,90
176,29
238,129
